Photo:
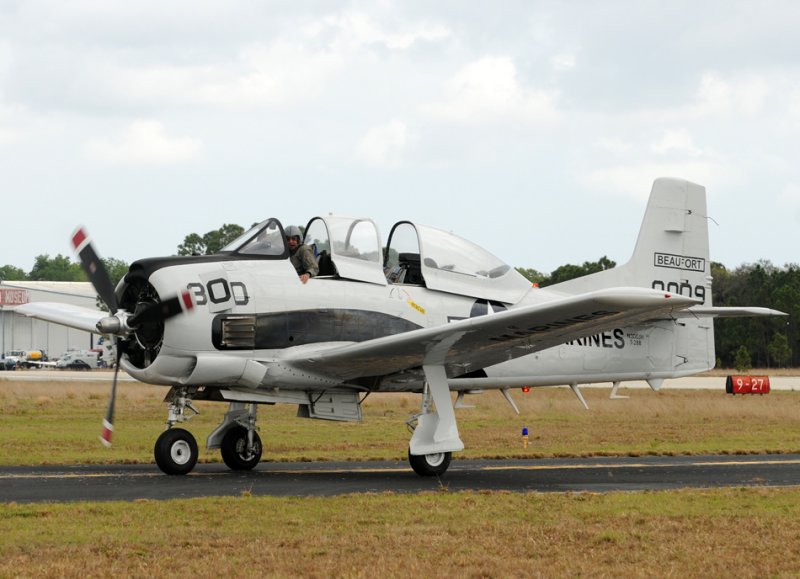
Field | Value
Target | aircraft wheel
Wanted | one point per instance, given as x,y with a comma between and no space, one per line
234,449
176,451
430,464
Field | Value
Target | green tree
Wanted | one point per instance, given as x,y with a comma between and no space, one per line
742,361
211,242
532,275
58,268
779,350
116,269
12,273
570,271
193,244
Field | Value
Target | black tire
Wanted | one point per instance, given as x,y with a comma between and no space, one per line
430,464
233,449
176,451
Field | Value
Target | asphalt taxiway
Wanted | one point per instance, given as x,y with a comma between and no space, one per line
604,474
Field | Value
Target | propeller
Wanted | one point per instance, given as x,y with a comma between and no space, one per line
108,421
120,322
94,268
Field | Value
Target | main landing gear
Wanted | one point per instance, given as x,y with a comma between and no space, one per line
176,449
430,464
435,433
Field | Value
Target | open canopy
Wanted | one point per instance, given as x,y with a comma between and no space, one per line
350,248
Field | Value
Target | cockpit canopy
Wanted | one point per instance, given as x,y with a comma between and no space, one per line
353,246
350,248
423,255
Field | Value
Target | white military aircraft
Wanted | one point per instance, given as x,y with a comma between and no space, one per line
410,317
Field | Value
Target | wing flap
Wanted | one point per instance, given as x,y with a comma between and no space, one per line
475,343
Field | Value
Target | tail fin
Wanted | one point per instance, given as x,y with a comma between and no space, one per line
671,254
672,249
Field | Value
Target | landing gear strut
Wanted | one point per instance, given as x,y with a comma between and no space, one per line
435,433
237,437
238,452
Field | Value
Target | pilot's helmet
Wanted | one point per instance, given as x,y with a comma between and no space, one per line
294,231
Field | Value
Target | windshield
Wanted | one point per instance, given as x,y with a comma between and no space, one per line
266,238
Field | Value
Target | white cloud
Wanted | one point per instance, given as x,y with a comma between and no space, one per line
635,180
260,76
563,62
676,141
7,136
794,105
744,95
383,145
357,29
615,146
790,195
488,89
144,142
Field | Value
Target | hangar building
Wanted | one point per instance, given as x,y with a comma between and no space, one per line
18,332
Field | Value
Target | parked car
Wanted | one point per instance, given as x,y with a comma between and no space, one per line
78,360
78,365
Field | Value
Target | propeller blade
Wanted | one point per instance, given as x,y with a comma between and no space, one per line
108,421
163,310
94,268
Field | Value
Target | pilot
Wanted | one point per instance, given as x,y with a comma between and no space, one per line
301,255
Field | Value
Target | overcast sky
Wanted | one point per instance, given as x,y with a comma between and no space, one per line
533,128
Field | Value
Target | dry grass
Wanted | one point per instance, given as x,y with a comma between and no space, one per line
734,532
742,532
59,424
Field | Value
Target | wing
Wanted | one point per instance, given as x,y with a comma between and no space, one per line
76,317
475,343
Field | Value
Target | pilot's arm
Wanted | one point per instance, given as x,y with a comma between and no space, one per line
310,267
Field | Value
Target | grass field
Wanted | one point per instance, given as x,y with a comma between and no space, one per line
59,424
697,533
722,533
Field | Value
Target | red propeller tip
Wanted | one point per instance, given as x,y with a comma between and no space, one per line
108,430
79,238
188,302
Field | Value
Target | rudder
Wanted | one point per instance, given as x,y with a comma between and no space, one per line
672,250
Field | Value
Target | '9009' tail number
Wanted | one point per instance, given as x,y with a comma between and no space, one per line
684,288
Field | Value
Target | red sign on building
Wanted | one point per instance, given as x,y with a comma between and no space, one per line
13,297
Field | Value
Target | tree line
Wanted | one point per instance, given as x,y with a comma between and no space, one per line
771,342
768,342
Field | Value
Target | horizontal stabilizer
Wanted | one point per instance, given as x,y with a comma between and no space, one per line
728,312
